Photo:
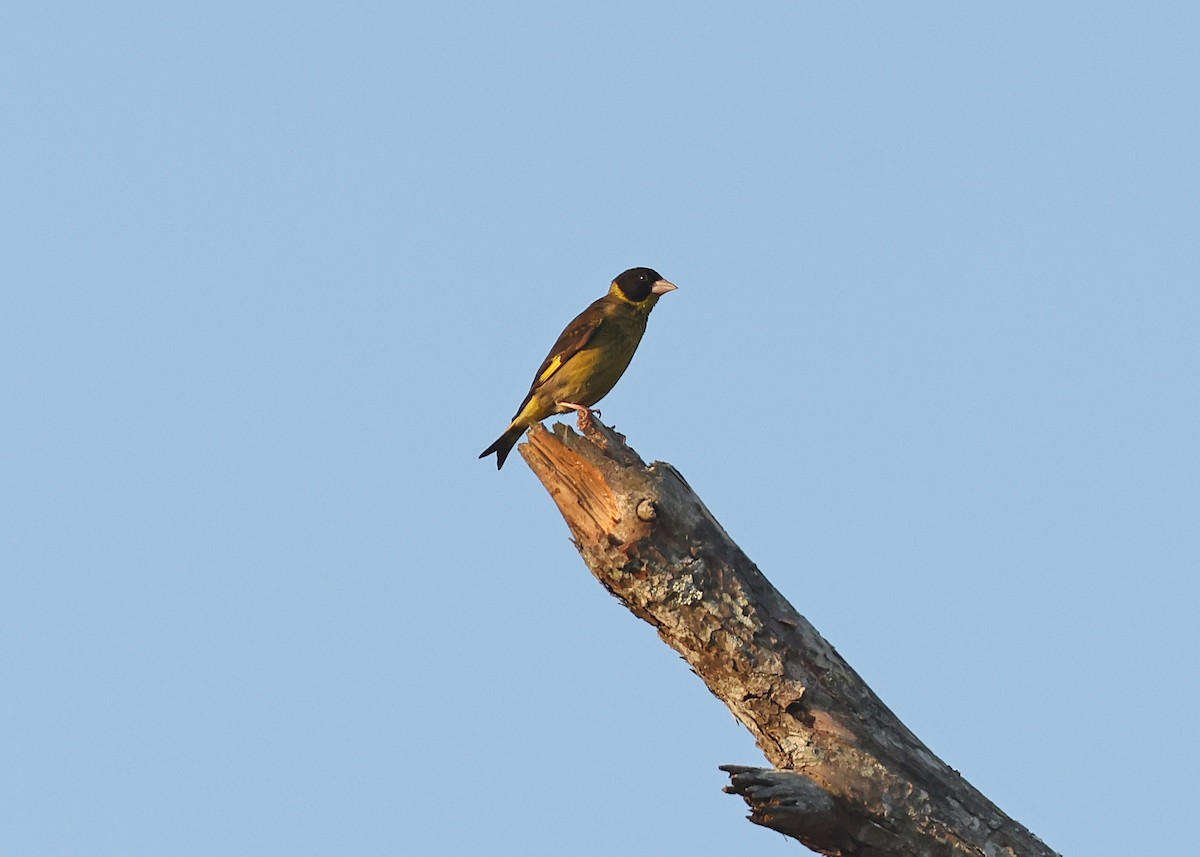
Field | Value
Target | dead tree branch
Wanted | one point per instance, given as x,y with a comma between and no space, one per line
851,779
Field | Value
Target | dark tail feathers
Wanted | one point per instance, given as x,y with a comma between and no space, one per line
503,445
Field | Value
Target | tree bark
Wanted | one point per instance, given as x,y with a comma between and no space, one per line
851,779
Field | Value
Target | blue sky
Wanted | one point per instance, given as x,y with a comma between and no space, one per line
276,273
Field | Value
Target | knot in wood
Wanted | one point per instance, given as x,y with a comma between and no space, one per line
646,510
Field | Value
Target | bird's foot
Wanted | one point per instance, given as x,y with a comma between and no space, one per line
585,414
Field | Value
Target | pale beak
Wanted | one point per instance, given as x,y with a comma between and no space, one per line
662,287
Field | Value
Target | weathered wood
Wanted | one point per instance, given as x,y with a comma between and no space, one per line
852,779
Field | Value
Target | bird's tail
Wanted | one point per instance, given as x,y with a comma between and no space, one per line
504,444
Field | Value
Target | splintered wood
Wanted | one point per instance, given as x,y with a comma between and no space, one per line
850,778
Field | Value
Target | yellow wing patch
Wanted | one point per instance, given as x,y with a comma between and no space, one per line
550,370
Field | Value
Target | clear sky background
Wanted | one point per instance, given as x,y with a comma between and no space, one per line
275,273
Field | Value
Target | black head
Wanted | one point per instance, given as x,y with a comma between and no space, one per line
637,283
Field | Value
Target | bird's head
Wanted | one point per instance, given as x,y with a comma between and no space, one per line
639,285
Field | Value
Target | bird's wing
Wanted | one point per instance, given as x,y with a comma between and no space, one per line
570,342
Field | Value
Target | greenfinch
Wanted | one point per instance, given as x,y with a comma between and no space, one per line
589,357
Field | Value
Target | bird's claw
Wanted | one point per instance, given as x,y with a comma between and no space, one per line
585,414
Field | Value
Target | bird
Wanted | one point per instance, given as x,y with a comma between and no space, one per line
589,357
